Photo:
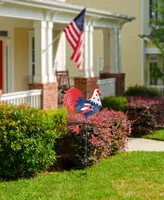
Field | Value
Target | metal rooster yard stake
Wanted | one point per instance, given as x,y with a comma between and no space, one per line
74,102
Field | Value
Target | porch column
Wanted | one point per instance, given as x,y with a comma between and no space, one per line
118,40
106,51
40,29
50,52
88,83
115,56
112,59
91,51
112,55
64,51
44,77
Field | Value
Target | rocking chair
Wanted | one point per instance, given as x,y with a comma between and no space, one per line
63,84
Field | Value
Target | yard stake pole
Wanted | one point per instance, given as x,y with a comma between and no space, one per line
44,50
86,151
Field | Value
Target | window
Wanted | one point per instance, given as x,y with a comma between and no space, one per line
152,10
152,64
33,55
4,33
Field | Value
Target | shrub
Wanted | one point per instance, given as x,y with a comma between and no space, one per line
114,103
26,141
106,134
143,114
158,106
59,119
144,123
141,91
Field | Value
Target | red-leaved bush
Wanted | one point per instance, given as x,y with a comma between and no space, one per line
145,114
106,135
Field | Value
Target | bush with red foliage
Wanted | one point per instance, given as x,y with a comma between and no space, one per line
106,131
146,114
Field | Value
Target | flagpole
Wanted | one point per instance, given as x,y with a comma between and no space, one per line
44,50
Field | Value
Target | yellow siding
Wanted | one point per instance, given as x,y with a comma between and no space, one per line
131,51
149,45
98,48
21,58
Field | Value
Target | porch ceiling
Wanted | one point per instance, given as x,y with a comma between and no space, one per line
60,12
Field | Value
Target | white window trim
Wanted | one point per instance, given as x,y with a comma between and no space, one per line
152,51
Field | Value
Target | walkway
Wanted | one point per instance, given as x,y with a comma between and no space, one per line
140,144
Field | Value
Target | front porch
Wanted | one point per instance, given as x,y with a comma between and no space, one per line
30,56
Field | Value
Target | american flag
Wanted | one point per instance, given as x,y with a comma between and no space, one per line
75,36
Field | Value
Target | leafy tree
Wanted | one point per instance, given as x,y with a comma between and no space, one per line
156,35
157,25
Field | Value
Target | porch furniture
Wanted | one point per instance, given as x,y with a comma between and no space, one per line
63,83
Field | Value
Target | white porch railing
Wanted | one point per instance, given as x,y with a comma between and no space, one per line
31,98
160,88
107,87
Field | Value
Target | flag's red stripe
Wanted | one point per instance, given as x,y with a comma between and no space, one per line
80,65
80,46
75,37
77,47
70,42
71,34
78,57
74,27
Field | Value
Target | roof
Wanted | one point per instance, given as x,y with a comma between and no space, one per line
72,10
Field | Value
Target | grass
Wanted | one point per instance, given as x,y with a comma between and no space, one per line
127,176
157,135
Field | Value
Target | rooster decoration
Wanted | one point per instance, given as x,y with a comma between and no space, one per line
74,101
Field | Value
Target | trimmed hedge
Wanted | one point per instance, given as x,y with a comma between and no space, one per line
141,91
146,114
106,131
26,141
117,103
59,118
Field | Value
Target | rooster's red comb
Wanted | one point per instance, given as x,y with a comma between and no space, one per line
96,87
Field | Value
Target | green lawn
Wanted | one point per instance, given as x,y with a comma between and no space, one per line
157,135
127,176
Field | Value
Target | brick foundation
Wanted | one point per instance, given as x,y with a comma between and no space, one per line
49,94
120,81
86,85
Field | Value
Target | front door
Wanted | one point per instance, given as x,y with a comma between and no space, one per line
1,65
